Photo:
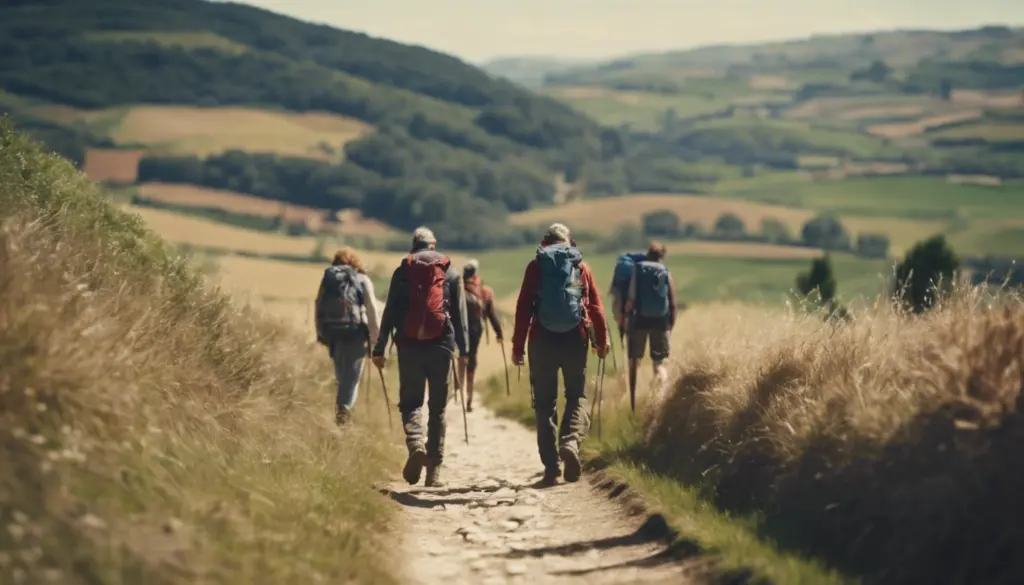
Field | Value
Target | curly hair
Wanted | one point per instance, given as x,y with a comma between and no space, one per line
348,257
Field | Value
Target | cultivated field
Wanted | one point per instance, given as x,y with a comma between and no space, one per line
183,229
600,215
112,165
206,131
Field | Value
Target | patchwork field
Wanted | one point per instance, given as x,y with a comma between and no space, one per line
351,223
112,165
206,131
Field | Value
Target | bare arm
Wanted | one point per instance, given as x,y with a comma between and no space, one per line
370,302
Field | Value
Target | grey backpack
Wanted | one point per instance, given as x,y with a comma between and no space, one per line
341,306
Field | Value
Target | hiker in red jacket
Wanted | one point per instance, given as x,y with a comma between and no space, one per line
479,306
427,312
559,307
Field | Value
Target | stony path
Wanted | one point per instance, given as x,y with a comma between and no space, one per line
491,525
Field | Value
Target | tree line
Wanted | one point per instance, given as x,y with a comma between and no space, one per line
824,232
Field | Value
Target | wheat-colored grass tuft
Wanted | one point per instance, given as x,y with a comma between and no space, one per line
885,445
151,430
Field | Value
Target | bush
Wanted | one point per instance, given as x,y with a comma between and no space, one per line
825,232
926,273
818,280
872,245
661,223
729,225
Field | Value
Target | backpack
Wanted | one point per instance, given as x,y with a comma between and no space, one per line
341,304
475,298
427,311
623,273
559,303
652,289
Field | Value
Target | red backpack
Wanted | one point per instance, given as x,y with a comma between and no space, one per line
427,311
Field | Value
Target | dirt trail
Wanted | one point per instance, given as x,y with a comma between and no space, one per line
490,525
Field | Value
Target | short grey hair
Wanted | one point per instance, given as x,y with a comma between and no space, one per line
423,237
472,266
557,233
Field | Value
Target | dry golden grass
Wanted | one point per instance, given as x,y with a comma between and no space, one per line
194,196
770,82
110,165
610,213
183,229
206,131
905,129
886,446
880,112
152,431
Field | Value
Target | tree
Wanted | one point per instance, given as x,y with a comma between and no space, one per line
946,89
774,231
872,245
662,222
818,279
926,273
729,225
877,72
825,232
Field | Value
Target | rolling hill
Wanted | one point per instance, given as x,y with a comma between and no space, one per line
418,136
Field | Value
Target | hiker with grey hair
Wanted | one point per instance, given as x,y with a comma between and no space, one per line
560,310
347,324
426,312
479,306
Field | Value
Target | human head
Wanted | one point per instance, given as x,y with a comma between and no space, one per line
656,251
470,268
348,257
558,233
423,239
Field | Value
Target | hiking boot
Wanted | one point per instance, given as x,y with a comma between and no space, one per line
469,408
433,476
342,415
414,466
571,459
551,475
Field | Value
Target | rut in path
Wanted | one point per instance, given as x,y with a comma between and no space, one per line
490,525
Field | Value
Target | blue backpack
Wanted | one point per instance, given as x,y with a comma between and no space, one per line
652,289
559,303
624,272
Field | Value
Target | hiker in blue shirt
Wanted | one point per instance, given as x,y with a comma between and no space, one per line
651,307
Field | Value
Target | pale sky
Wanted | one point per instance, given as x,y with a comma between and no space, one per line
477,30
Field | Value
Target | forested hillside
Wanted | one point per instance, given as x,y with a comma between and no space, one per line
463,146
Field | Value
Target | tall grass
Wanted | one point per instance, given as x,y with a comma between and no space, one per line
151,431
886,447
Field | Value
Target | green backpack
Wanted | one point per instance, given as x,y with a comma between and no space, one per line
559,303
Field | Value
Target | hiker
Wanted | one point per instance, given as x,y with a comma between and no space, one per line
651,310
619,288
346,322
479,306
560,308
427,310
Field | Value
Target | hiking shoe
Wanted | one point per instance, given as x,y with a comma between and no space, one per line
551,475
342,415
433,476
469,408
414,466
571,459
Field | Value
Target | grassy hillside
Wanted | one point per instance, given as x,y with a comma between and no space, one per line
501,146
152,431
882,448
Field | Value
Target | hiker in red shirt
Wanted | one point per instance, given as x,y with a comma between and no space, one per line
559,307
479,306
427,312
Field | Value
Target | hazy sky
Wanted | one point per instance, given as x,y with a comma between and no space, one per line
481,29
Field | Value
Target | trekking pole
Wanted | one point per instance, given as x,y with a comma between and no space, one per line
387,399
458,389
615,364
600,392
504,360
366,376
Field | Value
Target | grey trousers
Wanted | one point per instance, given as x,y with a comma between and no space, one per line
422,368
550,353
349,359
